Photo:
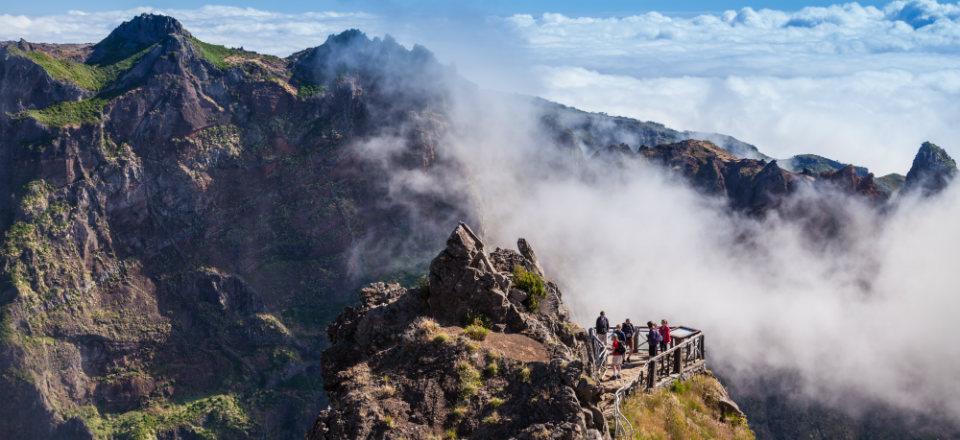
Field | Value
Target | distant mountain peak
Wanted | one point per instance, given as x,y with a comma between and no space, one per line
931,171
135,35
353,52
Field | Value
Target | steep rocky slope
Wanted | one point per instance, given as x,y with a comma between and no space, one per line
403,365
182,220
931,171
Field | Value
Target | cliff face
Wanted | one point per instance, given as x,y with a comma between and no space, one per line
482,349
931,171
179,224
182,220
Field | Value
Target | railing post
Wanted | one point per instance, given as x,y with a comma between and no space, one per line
703,348
676,360
651,373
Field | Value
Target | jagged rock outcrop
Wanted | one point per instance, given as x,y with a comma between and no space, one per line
816,165
181,220
133,36
850,180
177,232
751,185
401,366
932,170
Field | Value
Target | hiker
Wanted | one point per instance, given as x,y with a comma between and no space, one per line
629,331
653,338
603,325
616,358
618,334
664,335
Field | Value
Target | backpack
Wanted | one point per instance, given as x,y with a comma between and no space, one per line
656,337
618,348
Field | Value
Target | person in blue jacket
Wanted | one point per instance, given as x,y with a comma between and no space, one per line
653,338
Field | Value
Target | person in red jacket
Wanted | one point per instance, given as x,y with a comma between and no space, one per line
664,335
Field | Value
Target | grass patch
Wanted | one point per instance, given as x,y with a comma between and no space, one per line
492,369
69,112
386,388
533,284
683,412
476,332
83,75
427,326
460,411
496,402
6,326
219,416
441,338
19,237
492,419
470,346
470,381
525,374
217,55
310,90
88,76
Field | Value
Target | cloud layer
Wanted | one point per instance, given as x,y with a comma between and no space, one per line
849,314
860,84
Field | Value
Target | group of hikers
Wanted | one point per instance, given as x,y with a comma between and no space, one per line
624,339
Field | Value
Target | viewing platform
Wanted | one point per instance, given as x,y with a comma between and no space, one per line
685,356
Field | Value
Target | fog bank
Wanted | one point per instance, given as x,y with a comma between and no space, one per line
860,317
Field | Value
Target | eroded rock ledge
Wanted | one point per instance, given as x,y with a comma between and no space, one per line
401,365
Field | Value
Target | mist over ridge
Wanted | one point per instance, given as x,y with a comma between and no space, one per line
775,292
290,182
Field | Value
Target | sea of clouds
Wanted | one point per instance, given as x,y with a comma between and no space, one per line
865,316
858,317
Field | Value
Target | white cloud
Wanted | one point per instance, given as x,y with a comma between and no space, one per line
877,118
640,244
857,83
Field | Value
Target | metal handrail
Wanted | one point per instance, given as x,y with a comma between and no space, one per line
621,424
599,352
696,351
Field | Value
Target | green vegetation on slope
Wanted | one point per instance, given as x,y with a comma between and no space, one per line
80,74
685,411
217,55
310,90
212,417
87,76
533,284
69,112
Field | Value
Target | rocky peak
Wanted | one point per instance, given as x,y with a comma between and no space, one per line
135,35
470,355
931,171
850,180
353,54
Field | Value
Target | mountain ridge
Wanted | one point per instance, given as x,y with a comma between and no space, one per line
181,224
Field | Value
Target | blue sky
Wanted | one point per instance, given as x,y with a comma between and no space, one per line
498,7
862,83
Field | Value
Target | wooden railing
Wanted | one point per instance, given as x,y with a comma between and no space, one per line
675,363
